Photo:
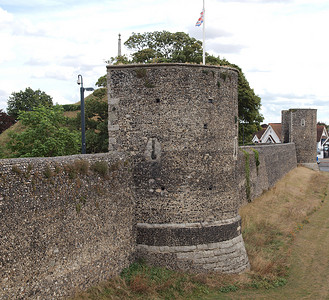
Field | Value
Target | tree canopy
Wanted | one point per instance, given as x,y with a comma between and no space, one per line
96,119
26,101
47,134
164,46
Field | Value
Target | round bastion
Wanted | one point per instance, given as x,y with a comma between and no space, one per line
179,123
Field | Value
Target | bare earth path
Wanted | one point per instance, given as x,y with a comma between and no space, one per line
309,275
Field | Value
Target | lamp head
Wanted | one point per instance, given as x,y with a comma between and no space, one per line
79,81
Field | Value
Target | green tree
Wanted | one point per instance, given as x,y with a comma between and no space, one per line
46,134
164,46
26,101
96,120
102,82
122,60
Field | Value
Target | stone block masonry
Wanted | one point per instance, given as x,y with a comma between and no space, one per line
180,122
215,246
66,223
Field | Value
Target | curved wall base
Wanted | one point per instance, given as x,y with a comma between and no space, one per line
194,246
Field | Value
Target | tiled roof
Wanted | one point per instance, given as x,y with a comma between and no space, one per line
260,133
277,129
319,132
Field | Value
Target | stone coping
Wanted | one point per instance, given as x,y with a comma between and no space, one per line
114,154
263,145
160,65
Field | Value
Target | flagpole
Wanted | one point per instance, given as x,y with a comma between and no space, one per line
203,43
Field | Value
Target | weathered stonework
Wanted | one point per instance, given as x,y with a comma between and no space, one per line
172,197
274,161
66,224
299,127
180,123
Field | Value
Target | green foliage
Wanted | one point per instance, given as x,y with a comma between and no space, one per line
46,134
71,107
140,73
80,202
81,166
101,167
247,174
159,283
249,106
78,207
26,101
100,93
228,288
118,60
164,46
96,120
257,162
75,168
101,82
48,172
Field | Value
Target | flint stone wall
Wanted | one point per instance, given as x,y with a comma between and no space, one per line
181,123
299,127
275,160
64,225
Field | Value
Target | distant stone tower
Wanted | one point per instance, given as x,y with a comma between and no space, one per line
179,123
299,127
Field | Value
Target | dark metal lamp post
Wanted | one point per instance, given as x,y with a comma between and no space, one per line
82,102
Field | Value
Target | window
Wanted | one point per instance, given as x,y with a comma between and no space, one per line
302,122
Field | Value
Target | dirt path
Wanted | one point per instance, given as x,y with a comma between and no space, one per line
309,276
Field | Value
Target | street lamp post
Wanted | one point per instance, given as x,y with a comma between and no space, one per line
82,103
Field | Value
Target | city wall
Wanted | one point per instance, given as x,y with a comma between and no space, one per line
66,224
259,167
172,197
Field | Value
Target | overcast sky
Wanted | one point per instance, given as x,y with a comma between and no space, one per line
281,45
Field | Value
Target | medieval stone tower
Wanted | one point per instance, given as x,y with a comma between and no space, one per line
299,127
179,124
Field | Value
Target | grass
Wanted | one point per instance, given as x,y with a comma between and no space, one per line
271,222
4,137
270,225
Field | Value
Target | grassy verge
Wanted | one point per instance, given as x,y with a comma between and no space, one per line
270,224
4,137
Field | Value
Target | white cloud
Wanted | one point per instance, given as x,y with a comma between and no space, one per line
280,45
